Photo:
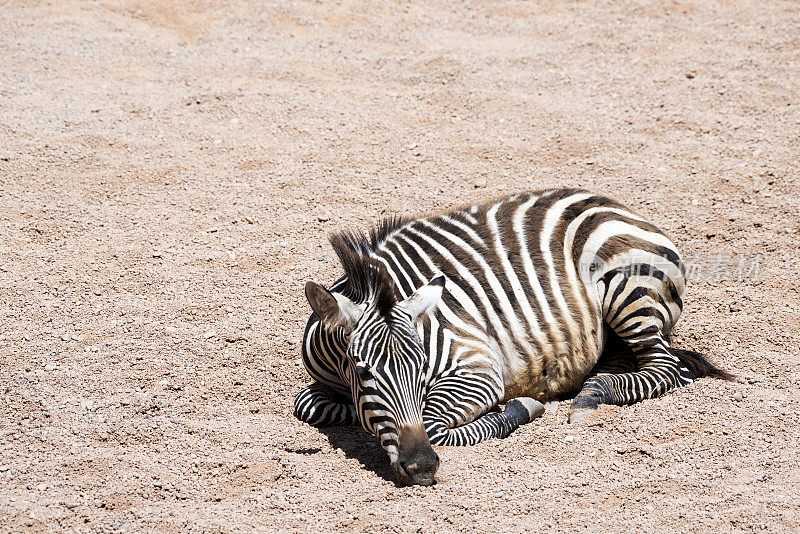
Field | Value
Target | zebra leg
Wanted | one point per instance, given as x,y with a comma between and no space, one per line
319,405
450,422
640,315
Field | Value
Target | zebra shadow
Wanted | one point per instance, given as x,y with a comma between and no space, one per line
356,443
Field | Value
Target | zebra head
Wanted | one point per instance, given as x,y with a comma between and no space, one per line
385,367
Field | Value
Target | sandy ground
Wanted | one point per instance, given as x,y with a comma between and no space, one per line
168,176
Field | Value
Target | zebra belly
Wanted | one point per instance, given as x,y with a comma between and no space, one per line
560,368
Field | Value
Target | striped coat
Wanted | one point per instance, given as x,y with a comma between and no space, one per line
534,287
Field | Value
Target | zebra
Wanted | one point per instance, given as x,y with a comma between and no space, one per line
439,319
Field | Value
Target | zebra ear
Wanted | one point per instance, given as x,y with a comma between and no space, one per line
333,309
425,298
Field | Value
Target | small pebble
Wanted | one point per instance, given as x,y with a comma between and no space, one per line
738,397
50,367
209,334
65,337
569,439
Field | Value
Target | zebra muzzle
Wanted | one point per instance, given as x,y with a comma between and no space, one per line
417,462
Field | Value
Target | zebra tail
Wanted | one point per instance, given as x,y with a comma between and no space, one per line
700,366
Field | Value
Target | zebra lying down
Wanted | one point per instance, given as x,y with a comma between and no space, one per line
437,320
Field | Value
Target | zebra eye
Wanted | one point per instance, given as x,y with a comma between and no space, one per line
363,371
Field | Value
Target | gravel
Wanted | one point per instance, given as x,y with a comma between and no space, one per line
170,170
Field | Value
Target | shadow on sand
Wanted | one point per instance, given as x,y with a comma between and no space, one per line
356,443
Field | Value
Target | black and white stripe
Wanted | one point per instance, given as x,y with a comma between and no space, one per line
533,286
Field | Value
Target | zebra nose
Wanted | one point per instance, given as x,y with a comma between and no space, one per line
419,468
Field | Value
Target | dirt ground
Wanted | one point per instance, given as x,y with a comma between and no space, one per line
169,173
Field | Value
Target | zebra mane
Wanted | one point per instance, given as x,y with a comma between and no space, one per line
367,278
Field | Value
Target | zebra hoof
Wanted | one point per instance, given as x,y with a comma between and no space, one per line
584,404
577,415
524,409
